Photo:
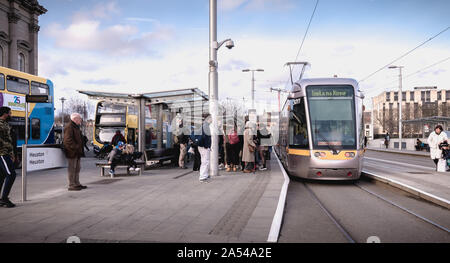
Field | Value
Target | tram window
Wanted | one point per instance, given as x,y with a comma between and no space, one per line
298,128
39,88
2,82
35,129
18,85
332,117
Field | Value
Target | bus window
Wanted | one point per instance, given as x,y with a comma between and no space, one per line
132,110
35,129
2,82
105,107
39,88
15,84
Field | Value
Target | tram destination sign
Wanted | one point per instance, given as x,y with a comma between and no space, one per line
330,91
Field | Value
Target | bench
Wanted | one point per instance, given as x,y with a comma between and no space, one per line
155,156
105,165
426,147
159,160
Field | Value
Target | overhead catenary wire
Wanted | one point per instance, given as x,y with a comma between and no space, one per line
420,70
404,55
304,36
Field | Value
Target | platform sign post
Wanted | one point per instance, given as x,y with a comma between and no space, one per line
28,99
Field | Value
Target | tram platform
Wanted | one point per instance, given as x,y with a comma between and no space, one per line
407,152
412,172
166,204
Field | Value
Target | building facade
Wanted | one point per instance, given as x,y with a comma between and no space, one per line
421,102
19,34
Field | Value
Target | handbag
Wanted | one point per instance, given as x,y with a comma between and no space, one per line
442,165
251,148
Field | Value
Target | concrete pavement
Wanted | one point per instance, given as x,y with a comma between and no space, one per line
164,205
413,173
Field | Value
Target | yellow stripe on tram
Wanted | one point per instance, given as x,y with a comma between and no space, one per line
299,152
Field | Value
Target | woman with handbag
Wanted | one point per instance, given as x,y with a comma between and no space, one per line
435,138
248,155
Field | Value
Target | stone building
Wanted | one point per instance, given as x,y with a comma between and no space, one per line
422,102
19,34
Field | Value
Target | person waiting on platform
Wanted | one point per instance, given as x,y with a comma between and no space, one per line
248,155
118,137
204,147
419,145
183,140
436,137
386,140
263,136
114,157
129,157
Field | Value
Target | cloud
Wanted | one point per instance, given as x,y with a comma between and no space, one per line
142,19
270,4
101,82
86,32
53,63
99,11
235,64
229,5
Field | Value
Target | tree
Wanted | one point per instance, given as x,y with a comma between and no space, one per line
84,107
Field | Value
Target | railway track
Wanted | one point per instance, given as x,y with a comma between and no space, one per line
350,220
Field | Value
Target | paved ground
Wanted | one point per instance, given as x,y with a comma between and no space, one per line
416,171
163,205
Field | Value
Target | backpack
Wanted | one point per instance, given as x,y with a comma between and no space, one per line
233,138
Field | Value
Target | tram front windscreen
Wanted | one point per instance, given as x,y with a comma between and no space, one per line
332,116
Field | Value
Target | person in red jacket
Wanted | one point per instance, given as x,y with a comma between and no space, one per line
118,137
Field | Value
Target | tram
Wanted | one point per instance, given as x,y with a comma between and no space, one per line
322,130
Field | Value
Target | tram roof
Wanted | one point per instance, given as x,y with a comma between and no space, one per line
298,85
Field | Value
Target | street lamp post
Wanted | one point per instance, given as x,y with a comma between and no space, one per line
253,83
213,91
400,100
62,119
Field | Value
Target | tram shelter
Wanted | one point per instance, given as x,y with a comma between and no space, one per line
158,116
427,124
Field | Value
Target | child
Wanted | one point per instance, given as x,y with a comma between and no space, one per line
114,156
129,157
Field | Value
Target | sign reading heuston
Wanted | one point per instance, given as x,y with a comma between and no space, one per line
45,158
15,102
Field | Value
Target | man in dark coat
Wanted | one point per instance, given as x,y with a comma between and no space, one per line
74,150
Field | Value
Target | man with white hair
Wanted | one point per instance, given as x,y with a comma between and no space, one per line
73,148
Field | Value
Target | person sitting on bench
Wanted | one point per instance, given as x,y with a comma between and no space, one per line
129,156
114,157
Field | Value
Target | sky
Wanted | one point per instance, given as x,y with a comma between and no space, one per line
139,46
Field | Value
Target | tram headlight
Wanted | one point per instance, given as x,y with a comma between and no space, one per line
349,154
320,154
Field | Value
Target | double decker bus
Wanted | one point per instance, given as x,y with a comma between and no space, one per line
14,86
110,117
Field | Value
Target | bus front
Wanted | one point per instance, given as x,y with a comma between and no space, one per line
109,118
